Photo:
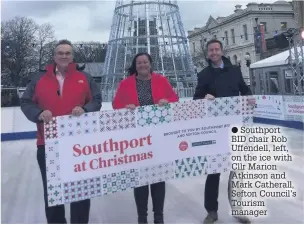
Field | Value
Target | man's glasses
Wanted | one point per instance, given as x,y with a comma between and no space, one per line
63,53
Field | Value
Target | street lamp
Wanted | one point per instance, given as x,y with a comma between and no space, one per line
248,60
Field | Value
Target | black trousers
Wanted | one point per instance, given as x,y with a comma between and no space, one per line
56,214
141,195
212,191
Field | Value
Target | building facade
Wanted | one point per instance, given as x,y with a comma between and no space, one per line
240,33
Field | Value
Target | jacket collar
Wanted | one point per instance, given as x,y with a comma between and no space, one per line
133,76
51,69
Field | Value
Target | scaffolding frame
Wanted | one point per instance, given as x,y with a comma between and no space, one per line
152,26
296,59
296,44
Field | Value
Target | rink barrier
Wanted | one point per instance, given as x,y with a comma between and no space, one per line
15,126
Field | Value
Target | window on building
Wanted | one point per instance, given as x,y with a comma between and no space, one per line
265,25
245,32
226,38
283,25
193,44
233,36
201,42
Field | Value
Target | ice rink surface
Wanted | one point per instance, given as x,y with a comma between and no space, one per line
22,196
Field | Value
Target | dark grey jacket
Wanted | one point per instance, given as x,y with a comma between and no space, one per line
226,82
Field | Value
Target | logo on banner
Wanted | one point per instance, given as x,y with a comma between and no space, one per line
183,146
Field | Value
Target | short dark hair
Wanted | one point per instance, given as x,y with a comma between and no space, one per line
64,42
132,68
212,41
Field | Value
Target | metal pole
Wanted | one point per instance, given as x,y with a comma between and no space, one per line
261,43
148,28
172,51
296,60
158,24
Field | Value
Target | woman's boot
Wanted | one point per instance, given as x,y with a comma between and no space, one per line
141,195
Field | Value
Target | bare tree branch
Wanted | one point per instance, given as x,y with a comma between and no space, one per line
25,48
45,36
17,52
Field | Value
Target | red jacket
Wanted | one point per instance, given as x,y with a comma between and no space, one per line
127,94
42,93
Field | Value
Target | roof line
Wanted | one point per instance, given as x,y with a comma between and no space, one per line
246,13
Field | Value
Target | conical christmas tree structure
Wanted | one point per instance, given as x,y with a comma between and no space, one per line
154,27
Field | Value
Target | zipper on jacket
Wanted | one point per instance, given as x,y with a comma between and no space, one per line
59,88
58,92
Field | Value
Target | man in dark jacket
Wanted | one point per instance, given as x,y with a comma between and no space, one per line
219,79
60,90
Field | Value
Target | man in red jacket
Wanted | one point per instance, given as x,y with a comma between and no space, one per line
60,90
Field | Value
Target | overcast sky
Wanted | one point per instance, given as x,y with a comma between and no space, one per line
91,20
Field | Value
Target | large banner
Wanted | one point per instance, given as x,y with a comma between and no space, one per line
106,152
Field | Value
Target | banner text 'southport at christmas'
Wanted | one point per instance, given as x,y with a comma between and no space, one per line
111,146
